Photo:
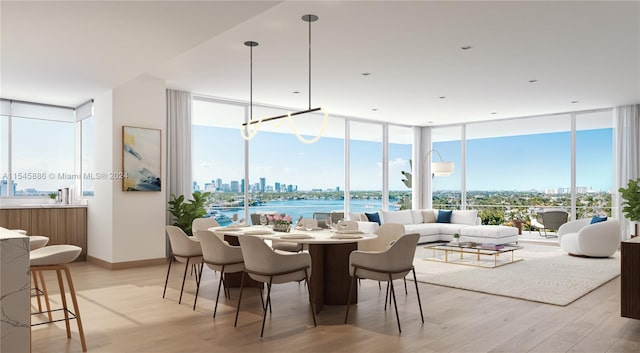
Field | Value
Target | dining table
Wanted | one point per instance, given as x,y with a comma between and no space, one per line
329,249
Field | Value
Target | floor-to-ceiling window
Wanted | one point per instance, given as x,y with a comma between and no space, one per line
4,156
518,168
287,175
87,155
365,166
217,154
400,149
594,163
447,146
38,148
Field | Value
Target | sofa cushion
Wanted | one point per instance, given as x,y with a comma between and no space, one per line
597,219
401,217
464,217
422,229
428,216
449,228
358,216
416,215
373,217
444,216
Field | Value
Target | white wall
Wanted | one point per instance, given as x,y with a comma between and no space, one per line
127,226
100,206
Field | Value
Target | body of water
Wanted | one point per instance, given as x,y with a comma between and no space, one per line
304,208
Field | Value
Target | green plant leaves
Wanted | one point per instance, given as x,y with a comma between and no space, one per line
631,197
185,212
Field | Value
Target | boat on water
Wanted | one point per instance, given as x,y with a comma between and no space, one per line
222,219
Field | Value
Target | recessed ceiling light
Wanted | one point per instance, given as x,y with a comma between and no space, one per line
295,92
574,102
466,47
375,109
533,81
442,97
430,122
494,113
366,73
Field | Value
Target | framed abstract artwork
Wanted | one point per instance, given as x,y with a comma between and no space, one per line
141,159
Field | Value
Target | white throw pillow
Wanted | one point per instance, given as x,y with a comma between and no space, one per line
400,217
464,217
428,216
416,215
358,216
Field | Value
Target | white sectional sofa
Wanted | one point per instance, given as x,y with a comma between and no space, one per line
425,222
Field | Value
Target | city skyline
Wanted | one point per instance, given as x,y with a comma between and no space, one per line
514,163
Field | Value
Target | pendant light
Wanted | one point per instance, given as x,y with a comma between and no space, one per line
249,129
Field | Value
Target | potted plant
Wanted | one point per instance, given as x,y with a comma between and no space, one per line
456,237
631,202
53,197
185,212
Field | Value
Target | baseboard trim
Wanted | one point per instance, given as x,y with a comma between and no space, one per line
126,264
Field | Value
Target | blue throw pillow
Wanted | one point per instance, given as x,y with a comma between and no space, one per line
444,216
373,217
597,219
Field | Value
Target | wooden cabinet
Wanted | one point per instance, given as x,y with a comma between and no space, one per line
16,219
63,225
630,278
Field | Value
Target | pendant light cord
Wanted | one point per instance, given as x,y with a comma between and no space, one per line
250,83
309,64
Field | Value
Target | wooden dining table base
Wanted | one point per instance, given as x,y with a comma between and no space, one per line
330,280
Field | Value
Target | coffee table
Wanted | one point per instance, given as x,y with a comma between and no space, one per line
473,255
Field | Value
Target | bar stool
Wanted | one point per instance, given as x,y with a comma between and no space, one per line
56,258
37,242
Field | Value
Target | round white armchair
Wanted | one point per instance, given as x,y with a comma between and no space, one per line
581,238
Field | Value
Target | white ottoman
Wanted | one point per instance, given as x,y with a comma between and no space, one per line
489,234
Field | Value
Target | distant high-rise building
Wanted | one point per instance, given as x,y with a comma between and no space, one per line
218,184
195,186
289,188
208,187
263,183
277,187
235,186
337,188
4,189
242,186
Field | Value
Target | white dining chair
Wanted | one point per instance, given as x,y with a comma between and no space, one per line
386,234
221,257
203,224
183,249
393,263
270,267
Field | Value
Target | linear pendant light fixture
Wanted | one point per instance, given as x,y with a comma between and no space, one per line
249,129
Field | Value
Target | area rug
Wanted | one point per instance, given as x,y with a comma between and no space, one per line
546,275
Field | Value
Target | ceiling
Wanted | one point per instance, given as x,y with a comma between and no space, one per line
581,55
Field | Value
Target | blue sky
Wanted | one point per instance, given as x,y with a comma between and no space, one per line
526,162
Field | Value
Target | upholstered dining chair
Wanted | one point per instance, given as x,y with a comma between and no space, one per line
270,267
393,263
183,249
203,224
387,233
221,257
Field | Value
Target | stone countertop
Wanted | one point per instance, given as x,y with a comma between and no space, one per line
41,205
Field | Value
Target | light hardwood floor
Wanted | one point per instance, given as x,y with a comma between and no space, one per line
123,311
